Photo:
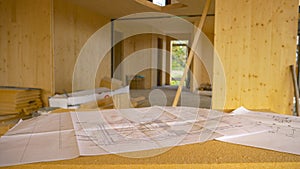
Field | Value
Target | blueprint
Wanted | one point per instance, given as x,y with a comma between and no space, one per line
44,138
129,130
120,131
282,132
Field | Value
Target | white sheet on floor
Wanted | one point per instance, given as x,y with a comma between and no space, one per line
69,135
282,131
44,138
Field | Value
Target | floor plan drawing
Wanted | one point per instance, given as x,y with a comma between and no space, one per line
121,132
282,132
44,138
118,131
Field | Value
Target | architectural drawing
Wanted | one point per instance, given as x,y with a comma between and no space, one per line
283,125
43,138
114,131
282,131
124,131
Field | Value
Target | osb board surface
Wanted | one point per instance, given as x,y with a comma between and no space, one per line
210,154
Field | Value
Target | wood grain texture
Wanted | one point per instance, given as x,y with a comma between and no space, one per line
73,26
136,47
25,45
198,68
256,43
191,53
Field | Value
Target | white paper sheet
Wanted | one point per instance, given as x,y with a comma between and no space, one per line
69,135
71,99
44,138
128,130
282,131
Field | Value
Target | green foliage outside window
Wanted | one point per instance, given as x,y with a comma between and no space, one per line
179,56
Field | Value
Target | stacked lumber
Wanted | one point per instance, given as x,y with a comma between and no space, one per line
16,100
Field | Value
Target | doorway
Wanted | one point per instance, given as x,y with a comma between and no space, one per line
179,54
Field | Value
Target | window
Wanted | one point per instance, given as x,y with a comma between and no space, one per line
179,54
163,2
159,2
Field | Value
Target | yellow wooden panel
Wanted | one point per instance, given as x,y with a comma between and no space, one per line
73,25
198,68
200,74
131,46
25,44
104,69
256,42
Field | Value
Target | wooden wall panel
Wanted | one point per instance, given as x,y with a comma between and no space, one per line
73,25
200,74
199,69
25,44
256,42
104,69
133,45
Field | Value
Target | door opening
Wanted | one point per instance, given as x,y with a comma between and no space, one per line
179,54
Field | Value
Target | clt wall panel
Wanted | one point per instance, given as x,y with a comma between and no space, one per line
73,26
256,43
25,44
138,56
199,69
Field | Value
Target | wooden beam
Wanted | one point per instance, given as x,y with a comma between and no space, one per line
191,54
296,89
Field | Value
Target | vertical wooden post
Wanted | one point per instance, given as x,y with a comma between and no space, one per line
296,90
191,54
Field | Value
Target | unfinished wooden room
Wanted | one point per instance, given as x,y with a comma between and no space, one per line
149,84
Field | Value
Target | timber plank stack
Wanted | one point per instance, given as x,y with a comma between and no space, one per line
16,100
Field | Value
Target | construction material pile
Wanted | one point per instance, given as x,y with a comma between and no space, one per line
16,100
